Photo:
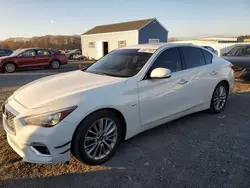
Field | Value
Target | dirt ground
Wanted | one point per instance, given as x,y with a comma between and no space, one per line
200,150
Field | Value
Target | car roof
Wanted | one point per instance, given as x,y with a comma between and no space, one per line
156,46
34,49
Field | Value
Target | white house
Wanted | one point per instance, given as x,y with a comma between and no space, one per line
100,40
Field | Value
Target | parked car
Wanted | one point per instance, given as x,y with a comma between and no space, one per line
239,56
71,53
211,49
126,92
5,52
32,58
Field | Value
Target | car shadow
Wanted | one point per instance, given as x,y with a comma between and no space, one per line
199,150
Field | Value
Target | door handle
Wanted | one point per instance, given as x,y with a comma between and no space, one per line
213,73
182,81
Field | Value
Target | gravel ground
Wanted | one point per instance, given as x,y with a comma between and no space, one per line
199,150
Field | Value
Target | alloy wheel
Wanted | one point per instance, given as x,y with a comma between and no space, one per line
220,97
100,138
10,67
55,64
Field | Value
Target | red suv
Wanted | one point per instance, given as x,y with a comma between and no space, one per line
32,58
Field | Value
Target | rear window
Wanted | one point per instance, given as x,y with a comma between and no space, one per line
208,56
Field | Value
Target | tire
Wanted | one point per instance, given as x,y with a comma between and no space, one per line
9,67
100,149
219,98
55,64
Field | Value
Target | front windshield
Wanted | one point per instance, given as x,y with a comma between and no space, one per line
121,63
17,52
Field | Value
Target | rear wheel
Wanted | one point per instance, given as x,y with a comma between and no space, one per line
219,98
55,64
9,67
97,138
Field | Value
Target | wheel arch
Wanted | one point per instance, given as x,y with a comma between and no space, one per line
116,112
226,83
8,62
55,59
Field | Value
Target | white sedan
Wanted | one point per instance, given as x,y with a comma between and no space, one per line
126,92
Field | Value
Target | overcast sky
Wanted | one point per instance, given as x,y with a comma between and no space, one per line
183,18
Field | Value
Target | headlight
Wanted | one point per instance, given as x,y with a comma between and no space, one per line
49,119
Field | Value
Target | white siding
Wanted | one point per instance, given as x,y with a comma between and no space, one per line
131,38
220,47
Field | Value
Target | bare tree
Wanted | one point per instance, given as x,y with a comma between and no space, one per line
49,41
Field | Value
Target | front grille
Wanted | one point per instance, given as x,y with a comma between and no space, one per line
9,120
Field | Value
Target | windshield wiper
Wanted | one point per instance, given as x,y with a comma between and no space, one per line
107,74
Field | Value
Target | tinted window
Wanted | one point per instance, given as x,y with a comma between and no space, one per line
9,51
208,57
169,59
2,51
121,63
193,57
248,51
29,53
238,51
42,52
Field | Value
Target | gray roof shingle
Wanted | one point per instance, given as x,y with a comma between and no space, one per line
125,26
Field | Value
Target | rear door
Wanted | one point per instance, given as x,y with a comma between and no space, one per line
27,58
201,75
43,57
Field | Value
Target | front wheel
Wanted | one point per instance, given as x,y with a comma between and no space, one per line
219,98
97,138
9,67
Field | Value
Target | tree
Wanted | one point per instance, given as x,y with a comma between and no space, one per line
48,41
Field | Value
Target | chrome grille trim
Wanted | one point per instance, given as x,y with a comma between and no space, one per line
8,117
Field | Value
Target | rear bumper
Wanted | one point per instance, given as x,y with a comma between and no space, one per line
64,62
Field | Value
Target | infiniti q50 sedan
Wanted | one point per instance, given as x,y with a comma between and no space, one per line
132,89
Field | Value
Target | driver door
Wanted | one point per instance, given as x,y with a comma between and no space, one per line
162,98
27,58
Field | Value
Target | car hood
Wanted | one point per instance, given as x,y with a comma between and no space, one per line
40,92
4,57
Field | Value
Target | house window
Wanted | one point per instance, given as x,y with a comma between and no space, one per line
153,41
91,45
121,43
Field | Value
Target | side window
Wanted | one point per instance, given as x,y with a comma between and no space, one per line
2,51
42,52
245,51
208,57
29,53
248,51
193,57
169,59
8,51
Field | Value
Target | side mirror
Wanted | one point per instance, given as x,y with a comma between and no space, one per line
20,55
159,73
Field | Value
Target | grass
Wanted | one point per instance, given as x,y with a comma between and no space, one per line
12,166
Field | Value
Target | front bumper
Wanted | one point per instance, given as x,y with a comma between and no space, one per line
24,138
